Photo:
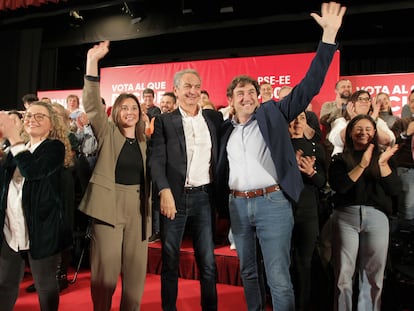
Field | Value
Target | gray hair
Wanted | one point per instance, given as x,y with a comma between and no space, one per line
179,74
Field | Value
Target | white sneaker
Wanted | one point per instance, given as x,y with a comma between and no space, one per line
232,246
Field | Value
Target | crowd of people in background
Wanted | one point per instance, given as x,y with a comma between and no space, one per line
292,185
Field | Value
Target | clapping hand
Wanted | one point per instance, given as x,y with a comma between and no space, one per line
306,164
10,127
350,109
375,108
367,156
387,154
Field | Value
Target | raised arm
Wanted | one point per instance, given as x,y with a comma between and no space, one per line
91,96
95,54
330,20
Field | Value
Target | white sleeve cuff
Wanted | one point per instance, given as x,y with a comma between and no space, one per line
18,148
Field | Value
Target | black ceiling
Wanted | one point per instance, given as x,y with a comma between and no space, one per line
372,29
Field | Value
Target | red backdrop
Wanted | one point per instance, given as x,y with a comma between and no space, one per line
216,74
17,4
398,86
60,96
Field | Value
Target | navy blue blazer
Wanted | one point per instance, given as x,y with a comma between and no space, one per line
168,158
273,119
42,199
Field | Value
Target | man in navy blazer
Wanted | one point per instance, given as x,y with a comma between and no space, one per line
183,157
258,170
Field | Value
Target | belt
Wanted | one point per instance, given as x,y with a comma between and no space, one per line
204,188
255,193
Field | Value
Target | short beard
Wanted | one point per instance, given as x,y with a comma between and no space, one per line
347,97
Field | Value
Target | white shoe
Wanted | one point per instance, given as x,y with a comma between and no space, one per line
232,246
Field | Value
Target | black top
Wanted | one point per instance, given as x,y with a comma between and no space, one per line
153,112
42,198
307,205
404,156
367,190
310,148
129,167
313,122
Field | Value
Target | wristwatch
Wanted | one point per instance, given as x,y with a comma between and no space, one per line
403,135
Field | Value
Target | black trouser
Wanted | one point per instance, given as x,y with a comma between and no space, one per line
11,274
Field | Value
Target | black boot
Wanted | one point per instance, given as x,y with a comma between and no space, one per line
62,269
62,277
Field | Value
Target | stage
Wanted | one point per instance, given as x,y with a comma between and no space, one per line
228,267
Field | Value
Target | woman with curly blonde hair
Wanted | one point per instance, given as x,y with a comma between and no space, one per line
32,212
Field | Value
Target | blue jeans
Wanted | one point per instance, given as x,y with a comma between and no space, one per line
195,209
406,208
270,219
360,236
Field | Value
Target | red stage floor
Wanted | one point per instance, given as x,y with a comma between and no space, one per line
228,267
77,296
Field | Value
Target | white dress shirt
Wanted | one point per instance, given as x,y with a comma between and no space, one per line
15,227
198,146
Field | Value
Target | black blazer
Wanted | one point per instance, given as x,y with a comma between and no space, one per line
42,200
273,119
168,159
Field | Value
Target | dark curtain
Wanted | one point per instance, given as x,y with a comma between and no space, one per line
48,69
8,65
19,64
28,64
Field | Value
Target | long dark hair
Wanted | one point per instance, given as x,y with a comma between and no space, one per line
354,99
116,108
351,156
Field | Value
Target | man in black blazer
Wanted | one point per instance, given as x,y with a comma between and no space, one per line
258,169
183,157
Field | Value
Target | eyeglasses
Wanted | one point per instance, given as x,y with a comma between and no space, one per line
364,99
39,117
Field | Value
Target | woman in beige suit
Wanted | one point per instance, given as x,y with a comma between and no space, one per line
117,194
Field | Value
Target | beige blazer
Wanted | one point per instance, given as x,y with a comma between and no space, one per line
99,200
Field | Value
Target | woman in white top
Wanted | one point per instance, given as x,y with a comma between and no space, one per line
360,103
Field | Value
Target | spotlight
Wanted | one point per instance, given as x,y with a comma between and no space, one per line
136,20
127,10
76,19
137,14
76,15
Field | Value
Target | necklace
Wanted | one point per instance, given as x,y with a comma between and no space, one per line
131,140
